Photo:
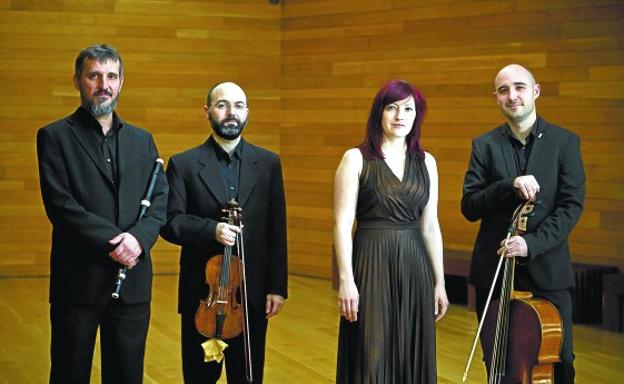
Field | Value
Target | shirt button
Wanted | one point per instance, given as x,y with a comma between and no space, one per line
231,188
108,160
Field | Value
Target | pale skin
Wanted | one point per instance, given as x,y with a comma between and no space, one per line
515,91
226,234
102,83
397,121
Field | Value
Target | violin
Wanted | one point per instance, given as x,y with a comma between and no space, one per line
222,315
522,335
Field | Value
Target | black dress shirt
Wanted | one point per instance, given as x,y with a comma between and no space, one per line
107,143
522,151
229,167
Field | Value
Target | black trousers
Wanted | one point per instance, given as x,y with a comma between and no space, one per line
562,300
123,332
196,371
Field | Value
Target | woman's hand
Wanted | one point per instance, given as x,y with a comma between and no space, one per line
348,300
441,302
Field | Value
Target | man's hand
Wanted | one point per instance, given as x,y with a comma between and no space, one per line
516,246
274,304
226,234
526,187
127,251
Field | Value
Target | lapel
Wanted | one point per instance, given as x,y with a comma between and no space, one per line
539,144
124,149
209,173
248,173
507,149
85,137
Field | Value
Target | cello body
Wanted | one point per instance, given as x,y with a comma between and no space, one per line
521,336
534,340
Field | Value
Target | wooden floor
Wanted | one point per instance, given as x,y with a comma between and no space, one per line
301,341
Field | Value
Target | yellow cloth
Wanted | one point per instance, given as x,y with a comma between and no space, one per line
213,350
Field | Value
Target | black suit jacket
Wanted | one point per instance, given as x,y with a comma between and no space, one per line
87,209
197,196
489,196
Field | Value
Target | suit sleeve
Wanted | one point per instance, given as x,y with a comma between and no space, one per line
480,198
556,227
63,210
182,228
278,267
146,230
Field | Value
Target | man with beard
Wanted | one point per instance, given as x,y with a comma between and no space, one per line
94,169
202,180
531,159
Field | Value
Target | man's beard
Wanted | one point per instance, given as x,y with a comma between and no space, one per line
100,109
228,131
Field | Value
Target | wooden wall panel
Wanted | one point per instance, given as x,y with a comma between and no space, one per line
336,55
311,69
173,52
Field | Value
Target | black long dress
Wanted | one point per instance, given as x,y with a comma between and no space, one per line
393,340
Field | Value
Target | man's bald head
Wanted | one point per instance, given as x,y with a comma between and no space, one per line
224,87
515,71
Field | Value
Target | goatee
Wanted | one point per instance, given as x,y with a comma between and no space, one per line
98,109
229,129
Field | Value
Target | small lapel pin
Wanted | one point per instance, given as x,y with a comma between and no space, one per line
540,135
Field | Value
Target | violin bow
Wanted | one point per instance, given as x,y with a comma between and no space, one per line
240,245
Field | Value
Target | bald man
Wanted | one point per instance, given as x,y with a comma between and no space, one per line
202,180
527,158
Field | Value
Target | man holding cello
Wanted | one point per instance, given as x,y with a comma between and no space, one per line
203,180
527,158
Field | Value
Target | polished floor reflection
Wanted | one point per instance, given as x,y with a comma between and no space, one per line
301,342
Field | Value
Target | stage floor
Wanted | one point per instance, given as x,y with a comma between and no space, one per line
301,345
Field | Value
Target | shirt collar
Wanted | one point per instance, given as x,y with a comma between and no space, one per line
86,118
530,136
222,154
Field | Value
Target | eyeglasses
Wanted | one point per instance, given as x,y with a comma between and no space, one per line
222,106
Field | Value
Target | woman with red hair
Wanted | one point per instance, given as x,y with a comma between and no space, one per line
391,272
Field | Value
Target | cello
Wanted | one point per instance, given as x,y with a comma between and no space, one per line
522,335
222,315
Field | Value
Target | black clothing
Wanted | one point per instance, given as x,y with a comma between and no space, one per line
393,340
198,194
196,371
521,151
489,196
88,204
229,166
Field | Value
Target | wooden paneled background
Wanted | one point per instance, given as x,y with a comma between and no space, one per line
336,55
311,69
173,53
